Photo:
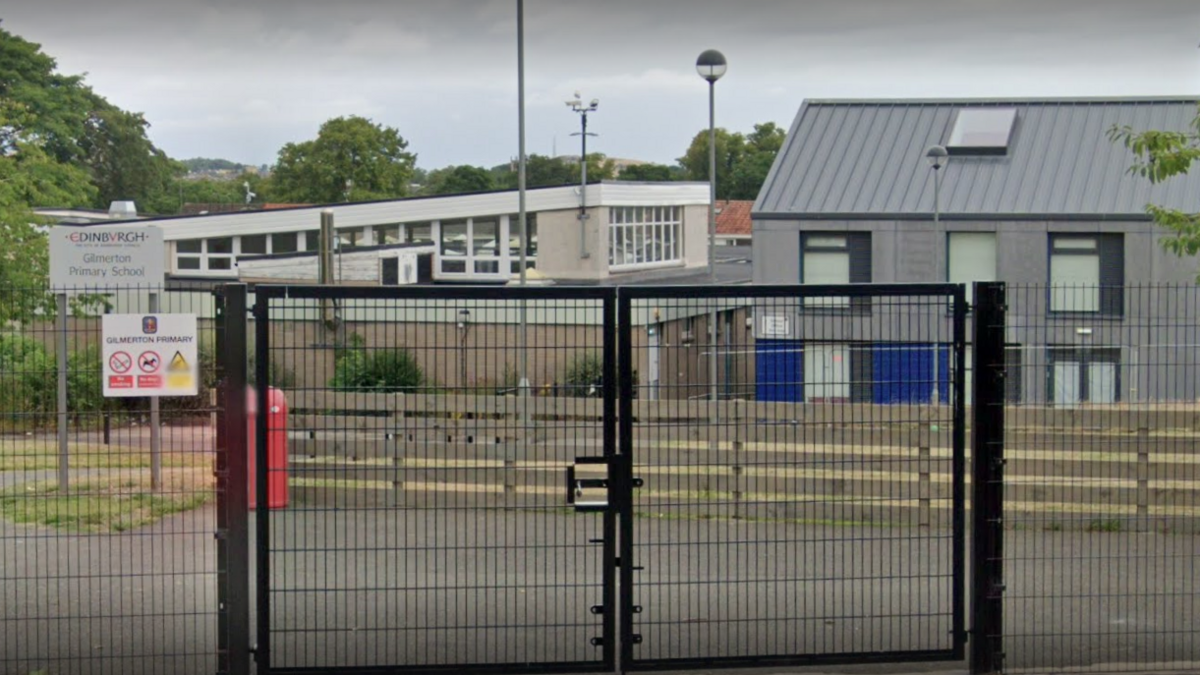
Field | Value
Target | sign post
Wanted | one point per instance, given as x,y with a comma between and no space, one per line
92,259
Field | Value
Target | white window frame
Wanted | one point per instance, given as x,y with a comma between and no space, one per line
645,237
470,258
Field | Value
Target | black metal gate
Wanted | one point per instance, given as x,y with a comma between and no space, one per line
793,472
786,466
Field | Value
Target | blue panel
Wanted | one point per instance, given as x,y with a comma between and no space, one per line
903,373
780,370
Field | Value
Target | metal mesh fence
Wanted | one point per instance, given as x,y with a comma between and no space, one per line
799,466
1102,497
106,545
427,521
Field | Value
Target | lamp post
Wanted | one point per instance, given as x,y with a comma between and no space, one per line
576,105
711,66
937,156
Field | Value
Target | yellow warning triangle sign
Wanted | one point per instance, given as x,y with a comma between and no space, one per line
178,363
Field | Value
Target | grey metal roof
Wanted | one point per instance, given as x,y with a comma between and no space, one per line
855,159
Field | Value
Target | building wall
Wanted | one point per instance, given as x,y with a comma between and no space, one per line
558,245
695,236
1156,339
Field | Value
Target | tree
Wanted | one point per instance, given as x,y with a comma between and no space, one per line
742,161
1160,156
351,159
543,171
649,173
454,180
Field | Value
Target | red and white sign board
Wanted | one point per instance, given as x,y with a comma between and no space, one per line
150,355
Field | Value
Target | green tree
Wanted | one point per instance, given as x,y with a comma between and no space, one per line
543,171
649,173
351,159
743,162
454,180
1158,157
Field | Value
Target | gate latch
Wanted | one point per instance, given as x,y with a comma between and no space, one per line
587,484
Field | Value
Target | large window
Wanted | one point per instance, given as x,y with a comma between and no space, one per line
386,234
644,235
971,257
1087,273
470,247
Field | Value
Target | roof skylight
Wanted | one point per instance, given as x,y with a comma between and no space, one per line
981,131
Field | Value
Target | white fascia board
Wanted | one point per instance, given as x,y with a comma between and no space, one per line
427,209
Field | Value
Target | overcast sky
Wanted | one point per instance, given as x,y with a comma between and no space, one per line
239,78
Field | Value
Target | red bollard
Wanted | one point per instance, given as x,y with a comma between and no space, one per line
277,454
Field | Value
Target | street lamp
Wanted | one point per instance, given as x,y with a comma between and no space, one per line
937,157
711,66
576,105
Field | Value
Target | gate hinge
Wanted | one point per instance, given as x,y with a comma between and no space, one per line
638,482
220,534
597,609
636,639
596,642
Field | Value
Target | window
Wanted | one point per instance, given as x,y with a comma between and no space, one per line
349,238
312,240
1087,273
254,244
184,261
386,234
981,131
514,242
471,247
219,253
419,234
834,258
284,242
971,257
1084,374
644,235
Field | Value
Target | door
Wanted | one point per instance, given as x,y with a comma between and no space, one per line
826,373
1102,382
1066,383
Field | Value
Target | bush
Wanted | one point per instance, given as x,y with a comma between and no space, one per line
385,370
278,375
28,381
585,376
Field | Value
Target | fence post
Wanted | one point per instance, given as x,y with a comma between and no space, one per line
233,514
987,480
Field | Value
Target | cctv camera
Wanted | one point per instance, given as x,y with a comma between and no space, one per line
595,102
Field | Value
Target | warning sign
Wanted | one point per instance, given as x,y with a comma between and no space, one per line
150,336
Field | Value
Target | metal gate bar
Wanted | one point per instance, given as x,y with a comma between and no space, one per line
755,490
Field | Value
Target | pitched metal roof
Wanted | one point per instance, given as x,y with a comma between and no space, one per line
857,159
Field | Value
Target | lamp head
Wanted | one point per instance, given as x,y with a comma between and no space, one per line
937,156
711,65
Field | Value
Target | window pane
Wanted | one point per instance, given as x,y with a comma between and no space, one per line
825,242
254,244
189,246
221,245
348,238
454,240
1074,244
1074,281
972,257
485,235
982,128
487,266
514,235
387,234
220,263
826,268
454,266
188,263
420,234
284,242
312,240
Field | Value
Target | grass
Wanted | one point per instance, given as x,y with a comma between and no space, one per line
24,454
1108,525
107,505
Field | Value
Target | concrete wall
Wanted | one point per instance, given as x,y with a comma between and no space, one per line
558,245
